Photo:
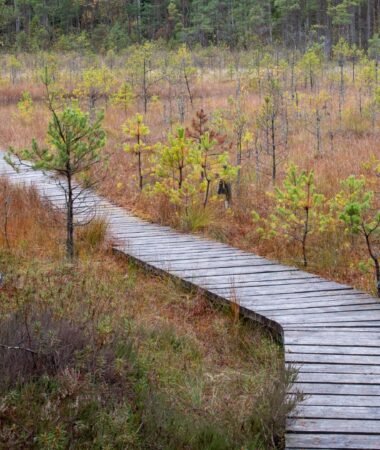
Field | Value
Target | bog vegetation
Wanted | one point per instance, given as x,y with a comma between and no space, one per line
254,122
270,149
101,355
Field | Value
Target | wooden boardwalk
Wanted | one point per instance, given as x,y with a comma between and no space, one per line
330,331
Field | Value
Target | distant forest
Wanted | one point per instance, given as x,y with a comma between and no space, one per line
102,25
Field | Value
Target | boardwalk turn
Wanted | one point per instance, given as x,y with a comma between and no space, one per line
330,331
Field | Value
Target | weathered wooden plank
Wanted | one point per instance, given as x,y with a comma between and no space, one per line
227,264
234,258
259,278
215,263
337,412
373,326
144,236
306,295
174,241
333,338
167,236
336,389
334,426
271,290
248,291
331,349
171,248
343,316
191,257
159,239
264,276
363,326
342,401
120,222
233,271
146,230
319,448
286,278
312,310
339,378
298,296
338,368
366,327
126,222
143,231
230,273
162,250
279,302
302,358
332,441
21,175
182,245
18,175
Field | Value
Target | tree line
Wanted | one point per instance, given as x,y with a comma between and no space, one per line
115,24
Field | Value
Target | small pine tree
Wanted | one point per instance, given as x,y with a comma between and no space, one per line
123,96
96,83
297,210
361,215
137,130
74,147
25,106
175,160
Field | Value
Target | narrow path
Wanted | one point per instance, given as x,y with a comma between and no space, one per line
329,330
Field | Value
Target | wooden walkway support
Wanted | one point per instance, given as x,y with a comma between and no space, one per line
329,330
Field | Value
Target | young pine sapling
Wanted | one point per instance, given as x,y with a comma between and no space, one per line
297,210
73,148
137,130
361,215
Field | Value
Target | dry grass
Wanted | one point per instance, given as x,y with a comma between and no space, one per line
25,222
